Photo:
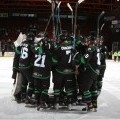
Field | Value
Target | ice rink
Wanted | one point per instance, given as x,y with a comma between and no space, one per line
108,102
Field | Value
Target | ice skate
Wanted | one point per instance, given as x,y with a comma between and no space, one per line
30,102
42,106
94,103
69,107
18,98
88,107
23,97
56,106
69,103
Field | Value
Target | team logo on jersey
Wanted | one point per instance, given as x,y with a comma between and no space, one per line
37,74
36,48
67,48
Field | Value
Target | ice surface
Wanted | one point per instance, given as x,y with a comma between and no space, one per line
108,102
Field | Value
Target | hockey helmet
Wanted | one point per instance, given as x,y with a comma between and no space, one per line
39,37
63,37
46,43
30,37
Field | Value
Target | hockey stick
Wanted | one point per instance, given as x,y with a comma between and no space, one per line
75,22
98,23
58,25
59,17
53,19
69,6
47,24
102,28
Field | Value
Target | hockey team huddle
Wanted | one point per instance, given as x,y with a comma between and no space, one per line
77,71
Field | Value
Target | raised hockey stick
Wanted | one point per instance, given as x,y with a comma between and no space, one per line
98,23
69,6
47,24
59,17
75,22
58,22
53,19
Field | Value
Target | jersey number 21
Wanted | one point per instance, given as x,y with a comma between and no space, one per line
40,58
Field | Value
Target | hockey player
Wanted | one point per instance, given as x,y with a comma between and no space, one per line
81,46
102,66
118,55
88,78
115,54
64,75
41,72
25,66
16,72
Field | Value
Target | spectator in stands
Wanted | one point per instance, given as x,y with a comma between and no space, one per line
3,52
110,55
118,55
115,55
